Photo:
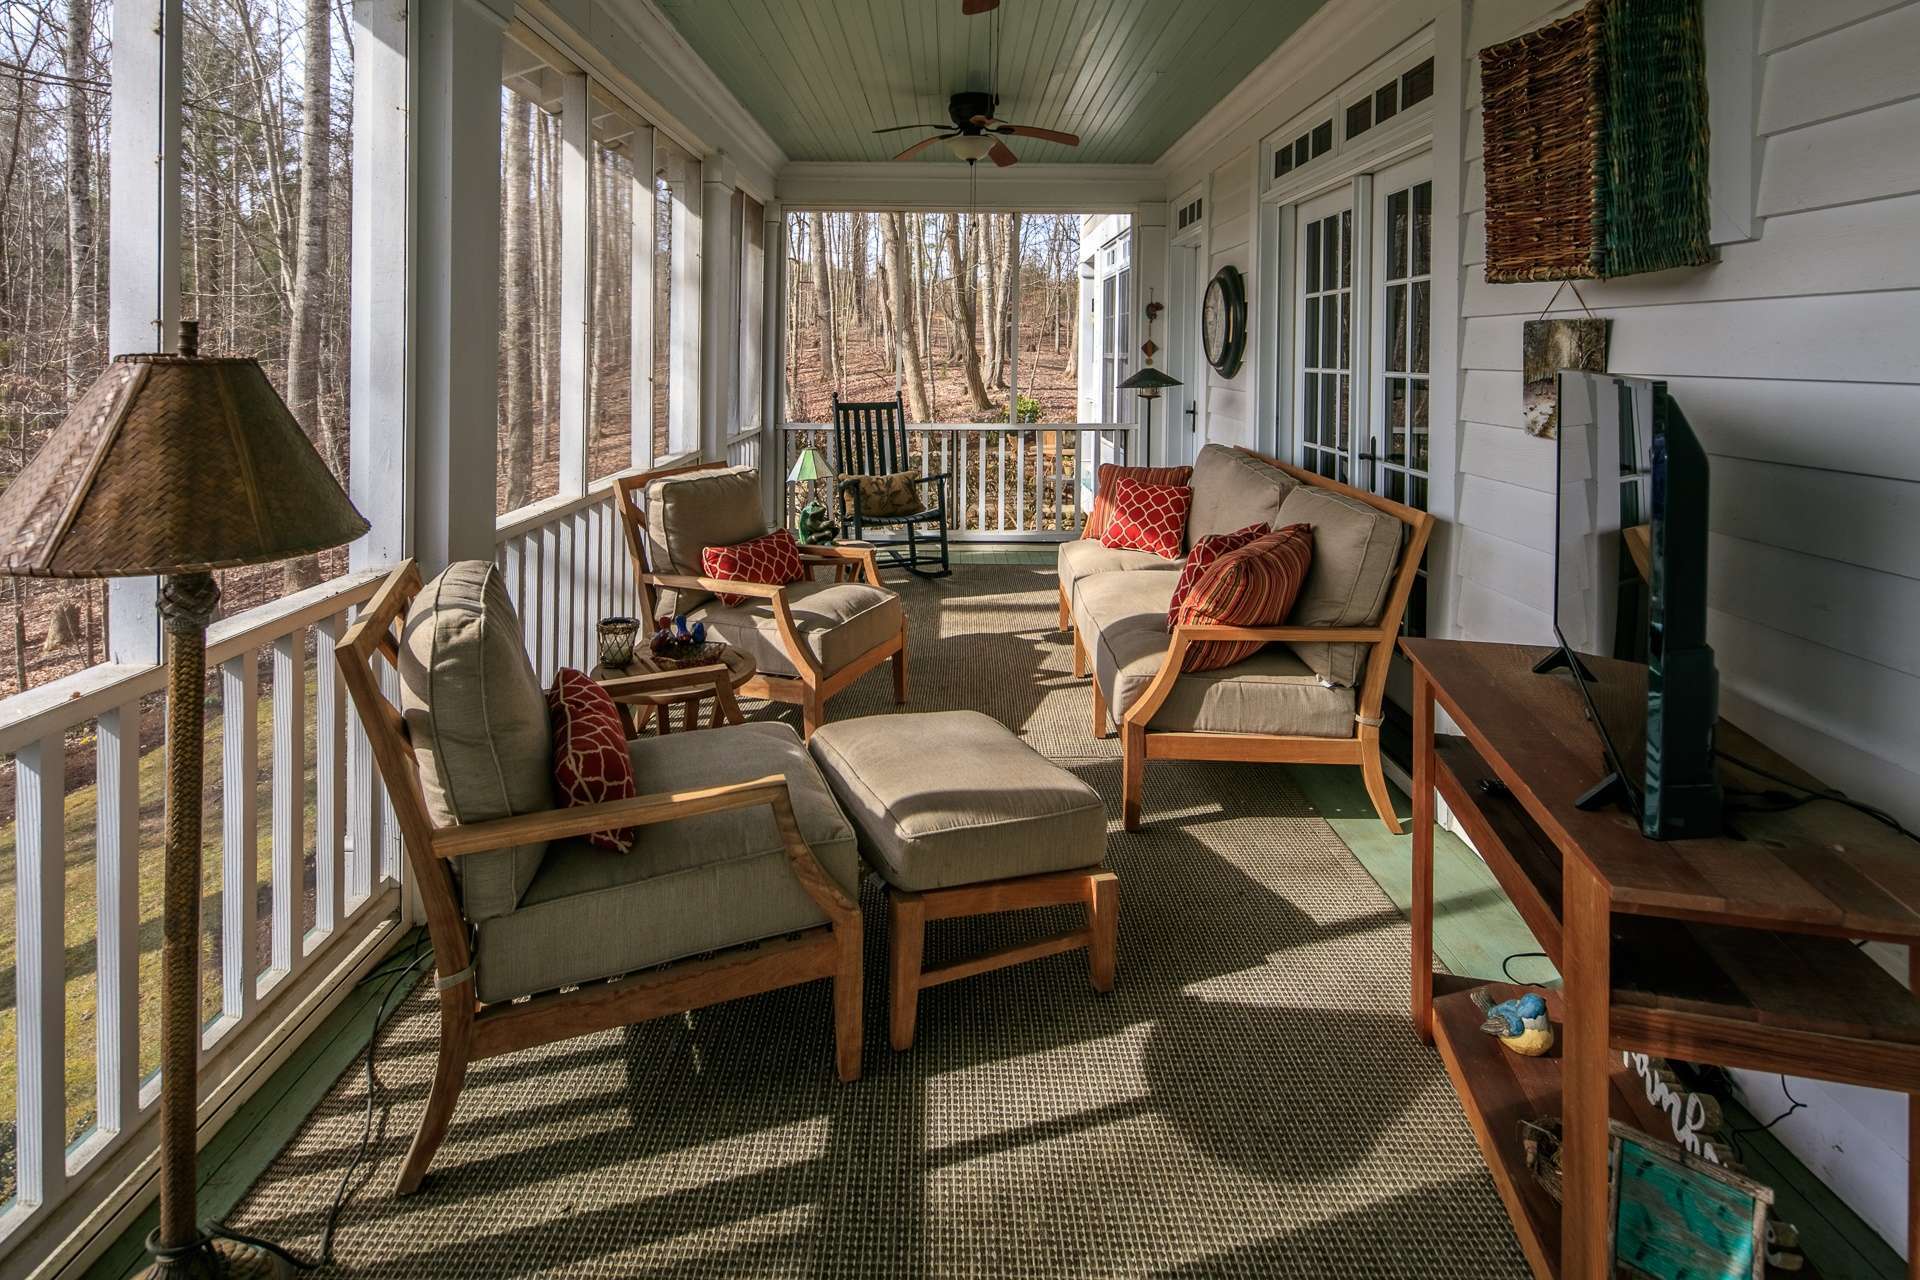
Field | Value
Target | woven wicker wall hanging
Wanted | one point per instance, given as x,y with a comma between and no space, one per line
1596,144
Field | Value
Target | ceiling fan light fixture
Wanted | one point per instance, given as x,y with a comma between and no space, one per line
971,147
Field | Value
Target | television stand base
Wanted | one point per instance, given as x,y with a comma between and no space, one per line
1610,790
1562,657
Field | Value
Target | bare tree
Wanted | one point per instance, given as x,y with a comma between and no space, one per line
823,320
80,273
893,235
959,304
518,279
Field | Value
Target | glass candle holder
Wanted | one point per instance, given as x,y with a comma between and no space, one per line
616,641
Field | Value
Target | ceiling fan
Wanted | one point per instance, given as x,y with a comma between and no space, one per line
971,7
970,135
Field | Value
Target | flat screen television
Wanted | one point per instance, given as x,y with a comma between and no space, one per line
1630,599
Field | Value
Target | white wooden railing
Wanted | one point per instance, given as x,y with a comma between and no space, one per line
565,562
1027,483
302,895
743,450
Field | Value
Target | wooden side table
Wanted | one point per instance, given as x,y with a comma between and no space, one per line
1729,951
657,703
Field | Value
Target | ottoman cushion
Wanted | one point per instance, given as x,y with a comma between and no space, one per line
952,797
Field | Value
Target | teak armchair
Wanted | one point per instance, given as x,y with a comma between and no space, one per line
811,681
471,1030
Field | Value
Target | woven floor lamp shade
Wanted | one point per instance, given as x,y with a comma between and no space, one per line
177,465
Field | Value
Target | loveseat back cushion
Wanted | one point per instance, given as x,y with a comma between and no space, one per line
1109,475
1355,550
689,512
477,717
1233,489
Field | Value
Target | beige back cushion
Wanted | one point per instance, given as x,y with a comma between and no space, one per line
690,512
1355,550
1232,490
477,717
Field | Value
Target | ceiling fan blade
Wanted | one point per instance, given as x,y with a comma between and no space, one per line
985,122
1002,155
972,7
922,145
898,127
1045,135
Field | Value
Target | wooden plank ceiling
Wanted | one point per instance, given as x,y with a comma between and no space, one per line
1128,76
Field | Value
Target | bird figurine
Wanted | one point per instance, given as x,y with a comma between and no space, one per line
1520,1024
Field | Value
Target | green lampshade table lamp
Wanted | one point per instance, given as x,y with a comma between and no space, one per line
814,526
173,466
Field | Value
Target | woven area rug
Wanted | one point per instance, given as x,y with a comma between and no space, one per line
1250,1101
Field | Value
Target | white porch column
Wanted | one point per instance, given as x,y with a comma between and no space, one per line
456,275
380,436
576,279
719,305
143,228
773,342
687,333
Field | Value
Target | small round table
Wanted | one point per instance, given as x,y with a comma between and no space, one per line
638,708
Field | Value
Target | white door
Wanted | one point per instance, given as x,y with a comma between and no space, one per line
1322,327
1177,417
1399,410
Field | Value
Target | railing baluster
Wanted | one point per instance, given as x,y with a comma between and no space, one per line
39,975
363,818
289,803
1000,478
240,839
980,464
329,786
116,852
1020,478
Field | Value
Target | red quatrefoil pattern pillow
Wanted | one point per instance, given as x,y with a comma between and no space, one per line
1204,553
1148,517
772,558
590,760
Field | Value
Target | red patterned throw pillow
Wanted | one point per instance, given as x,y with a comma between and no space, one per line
1204,553
772,558
1252,587
1112,473
590,760
1148,517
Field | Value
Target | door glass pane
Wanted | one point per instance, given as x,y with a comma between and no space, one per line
1397,420
1417,424
1396,321
1421,323
1330,254
1346,249
1313,257
1396,230
1422,231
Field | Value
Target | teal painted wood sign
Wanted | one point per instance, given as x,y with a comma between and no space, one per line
1677,1217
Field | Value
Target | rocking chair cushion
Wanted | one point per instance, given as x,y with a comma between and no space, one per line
477,718
896,494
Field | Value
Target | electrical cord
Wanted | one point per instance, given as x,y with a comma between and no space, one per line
1520,955
1816,793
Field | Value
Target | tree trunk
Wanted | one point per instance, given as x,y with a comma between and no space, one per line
80,296
518,264
857,236
960,298
906,340
309,279
1009,283
823,299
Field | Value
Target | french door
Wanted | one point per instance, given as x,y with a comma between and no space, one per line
1399,410
1323,331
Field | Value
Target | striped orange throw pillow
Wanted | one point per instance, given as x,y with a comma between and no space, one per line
1109,475
1253,586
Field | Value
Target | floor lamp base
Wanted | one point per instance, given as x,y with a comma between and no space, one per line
211,1257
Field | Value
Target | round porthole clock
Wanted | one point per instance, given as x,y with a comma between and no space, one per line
1223,321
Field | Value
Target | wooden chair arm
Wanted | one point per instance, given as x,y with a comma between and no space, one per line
624,687
862,557
686,582
611,815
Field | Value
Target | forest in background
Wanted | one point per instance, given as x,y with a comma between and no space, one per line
266,228
931,294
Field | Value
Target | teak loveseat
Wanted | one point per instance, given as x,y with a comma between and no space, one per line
1314,694
811,639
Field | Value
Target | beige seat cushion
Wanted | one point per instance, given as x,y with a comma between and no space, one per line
1083,557
1355,550
690,512
477,717
1233,489
837,621
688,886
1123,621
952,797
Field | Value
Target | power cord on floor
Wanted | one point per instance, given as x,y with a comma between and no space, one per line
1783,801
1521,955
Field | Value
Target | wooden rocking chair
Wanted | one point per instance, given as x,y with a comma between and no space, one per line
870,439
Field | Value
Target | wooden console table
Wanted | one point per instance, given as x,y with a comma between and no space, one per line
1732,951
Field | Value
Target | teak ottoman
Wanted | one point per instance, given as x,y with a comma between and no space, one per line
960,818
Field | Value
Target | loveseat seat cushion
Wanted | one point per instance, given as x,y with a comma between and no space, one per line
477,717
692,511
1355,550
837,621
688,886
1123,622
1233,489
1084,557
